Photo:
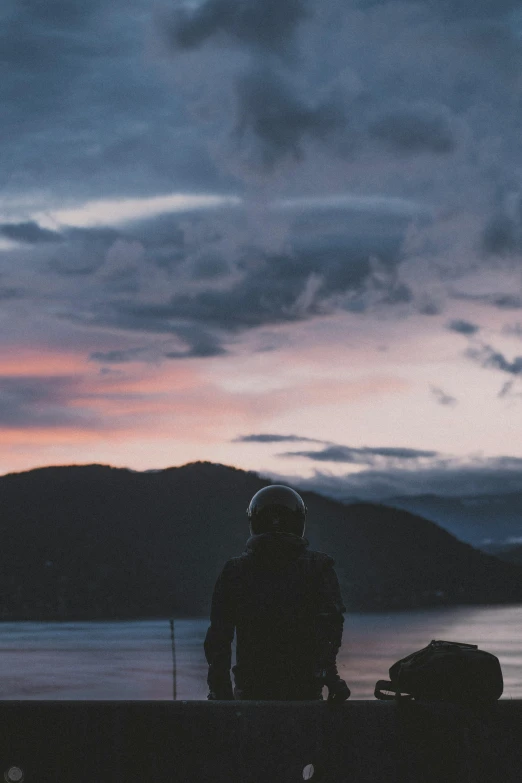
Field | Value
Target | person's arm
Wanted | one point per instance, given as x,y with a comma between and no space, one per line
218,641
330,623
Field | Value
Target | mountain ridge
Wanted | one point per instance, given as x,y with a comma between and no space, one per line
477,519
94,541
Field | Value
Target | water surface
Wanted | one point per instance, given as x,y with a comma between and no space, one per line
133,660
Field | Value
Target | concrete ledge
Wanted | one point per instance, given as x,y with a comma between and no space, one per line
254,742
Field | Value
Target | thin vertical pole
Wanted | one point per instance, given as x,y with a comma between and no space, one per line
174,696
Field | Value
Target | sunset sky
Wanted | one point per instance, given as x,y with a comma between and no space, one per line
283,235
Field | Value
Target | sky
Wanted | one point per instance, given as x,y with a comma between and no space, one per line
276,234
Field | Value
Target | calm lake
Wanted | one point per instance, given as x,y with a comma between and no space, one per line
133,660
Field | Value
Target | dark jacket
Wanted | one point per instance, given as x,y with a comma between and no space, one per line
284,602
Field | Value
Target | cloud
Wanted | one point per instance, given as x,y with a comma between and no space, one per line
488,357
82,252
349,104
116,356
443,398
503,301
501,236
202,344
506,389
94,214
10,293
450,478
506,301
416,129
266,110
364,456
272,293
285,126
194,341
268,438
35,402
201,279
29,232
274,120
332,452
513,330
463,327
477,8
268,25
286,162
80,104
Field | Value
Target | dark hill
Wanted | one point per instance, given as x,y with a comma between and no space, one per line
510,553
94,541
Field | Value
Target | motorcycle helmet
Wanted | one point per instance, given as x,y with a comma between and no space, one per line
277,509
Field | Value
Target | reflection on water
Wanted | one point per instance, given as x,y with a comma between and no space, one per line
133,660
373,642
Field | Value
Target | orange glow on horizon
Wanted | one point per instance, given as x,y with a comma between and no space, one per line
23,361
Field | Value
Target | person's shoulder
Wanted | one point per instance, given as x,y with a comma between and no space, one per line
234,566
320,559
232,563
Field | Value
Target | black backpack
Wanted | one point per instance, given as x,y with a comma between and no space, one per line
445,671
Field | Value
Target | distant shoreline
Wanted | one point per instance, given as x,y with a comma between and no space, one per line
167,618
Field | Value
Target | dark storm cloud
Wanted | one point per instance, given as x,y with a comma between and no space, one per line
506,301
98,234
199,279
428,308
501,236
29,232
42,401
272,117
275,292
462,327
7,293
460,9
416,130
209,267
81,104
91,239
281,120
198,351
330,258
477,9
201,344
268,25
395,294
487,357
312,99
370,83
61,14
268,438
364,456
83,251
501,300
231,310
330,93
116,356
443,398
160,232
196,343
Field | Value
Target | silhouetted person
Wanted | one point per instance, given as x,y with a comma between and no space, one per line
284,603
